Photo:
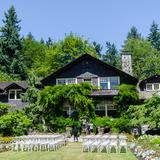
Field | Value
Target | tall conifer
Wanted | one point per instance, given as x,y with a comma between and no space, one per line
11,59
154,36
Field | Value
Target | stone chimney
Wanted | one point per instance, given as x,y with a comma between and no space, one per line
127,63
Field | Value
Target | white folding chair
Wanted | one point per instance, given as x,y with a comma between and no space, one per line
122,143
113,143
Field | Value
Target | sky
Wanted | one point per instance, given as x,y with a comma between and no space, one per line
95,20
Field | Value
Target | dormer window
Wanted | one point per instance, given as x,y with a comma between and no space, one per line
15,94
152,86
66,81
88,80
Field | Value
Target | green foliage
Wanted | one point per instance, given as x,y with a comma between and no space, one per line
133,34
117,125
154,36
33,51
145,59
14,123
122,124
147,113
111,56
49,42
52,99
74,46
30,96
59,124
149,142
55,54
155,141
5,77
103,121
4,108
98,48
10,58
127,95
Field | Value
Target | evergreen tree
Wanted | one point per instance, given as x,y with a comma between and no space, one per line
30,36
98,48
11,45
111,56
154,36
49,42
42,41
133,33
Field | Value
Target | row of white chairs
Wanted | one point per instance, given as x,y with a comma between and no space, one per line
106,143
38,143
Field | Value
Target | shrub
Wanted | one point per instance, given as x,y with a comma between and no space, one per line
117,125
155,141
14,123
59,124
122,124
103,121
127,95
4,108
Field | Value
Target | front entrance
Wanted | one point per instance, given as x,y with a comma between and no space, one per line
105,108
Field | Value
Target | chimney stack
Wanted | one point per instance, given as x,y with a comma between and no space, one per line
127,63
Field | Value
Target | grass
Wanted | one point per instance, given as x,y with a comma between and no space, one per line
70,152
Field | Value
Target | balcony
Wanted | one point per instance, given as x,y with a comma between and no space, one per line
102,92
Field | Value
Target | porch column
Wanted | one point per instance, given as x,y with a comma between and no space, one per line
69,111
106,111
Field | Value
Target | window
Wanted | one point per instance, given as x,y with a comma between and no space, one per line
61,81
149,87
88,80
15,94
71,81
104,83
100,107
156,86
66,81
109,82
11,94
153,86
18,94
114,81
110,107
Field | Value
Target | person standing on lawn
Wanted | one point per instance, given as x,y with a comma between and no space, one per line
75,133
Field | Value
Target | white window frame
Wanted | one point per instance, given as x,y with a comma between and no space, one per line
152,84
109,81
98,107
88,81
15,94
66,80
158,87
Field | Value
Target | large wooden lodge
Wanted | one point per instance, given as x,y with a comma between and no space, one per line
89,69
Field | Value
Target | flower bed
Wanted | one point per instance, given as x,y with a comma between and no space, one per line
5,143
147,147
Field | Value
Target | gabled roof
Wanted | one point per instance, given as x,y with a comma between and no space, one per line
81,58
5,85
87,75
152,77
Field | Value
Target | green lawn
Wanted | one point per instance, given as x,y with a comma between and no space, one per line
70,152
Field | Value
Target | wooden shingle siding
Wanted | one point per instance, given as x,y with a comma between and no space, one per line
87,63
